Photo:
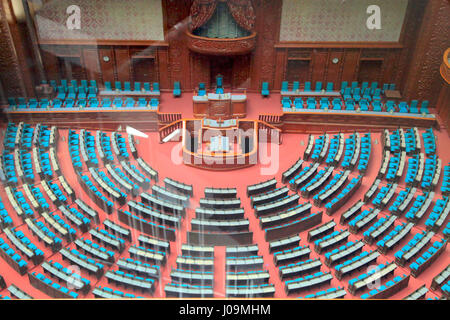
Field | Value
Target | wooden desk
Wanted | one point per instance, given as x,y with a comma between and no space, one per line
210,123
128,94
307,94
230,159
88,118
307,121
392,95
217,106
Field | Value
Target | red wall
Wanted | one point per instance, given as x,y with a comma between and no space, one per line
173,61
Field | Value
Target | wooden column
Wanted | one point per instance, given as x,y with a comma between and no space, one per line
34,42
176,17
10,73
423,79
163,66
267,26
443,103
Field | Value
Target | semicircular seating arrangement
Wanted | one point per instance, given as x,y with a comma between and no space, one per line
353,215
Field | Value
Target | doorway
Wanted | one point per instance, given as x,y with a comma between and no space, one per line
71,68
144,69
221,66
298,70
370,70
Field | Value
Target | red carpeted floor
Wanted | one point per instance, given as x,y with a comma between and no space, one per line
256,105
166,159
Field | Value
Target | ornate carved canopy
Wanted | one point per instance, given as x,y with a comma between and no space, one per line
241,10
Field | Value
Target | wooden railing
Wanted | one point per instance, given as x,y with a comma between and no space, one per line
168,117
216,46
445,66
271,133
270,118
169,129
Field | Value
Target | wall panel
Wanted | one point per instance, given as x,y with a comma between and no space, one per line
340,21
107,67
122,64
350,65
91,64
334,69
272,60
319,64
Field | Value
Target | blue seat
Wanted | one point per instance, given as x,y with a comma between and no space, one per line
142,102
424,107
403,107
364,105
318,86
93,103
376,106
137,86
364,86
70,103
53,84
337,104
12,101
329,87
311,103
154,103
176,89
117,102
413,108
376,94
286,102
298,103
118,85
108,86
366,94
201,89
265,89
374,87
350,105
295,86
32,103
284,86
390,106
307,86
347,94
84,83
357,94
155,87
93,83
61,93
81,93
344,85
324,103
219,82
129,103
81,103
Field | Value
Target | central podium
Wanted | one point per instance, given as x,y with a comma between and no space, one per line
220,144
220,106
